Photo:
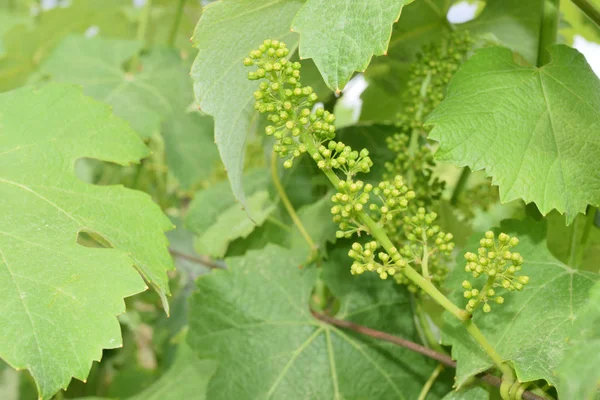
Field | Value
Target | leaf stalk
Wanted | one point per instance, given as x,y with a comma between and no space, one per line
590,10
288,204
176,23
548,30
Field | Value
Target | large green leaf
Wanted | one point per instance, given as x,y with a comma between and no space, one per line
226,33
152,100
59,299
531,328
254,319
341,36
534,130
578,371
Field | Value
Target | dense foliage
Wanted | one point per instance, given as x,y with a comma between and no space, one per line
439,240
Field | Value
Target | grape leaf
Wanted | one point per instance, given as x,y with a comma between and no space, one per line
26,47
578,371
515,23
254,319
534,130
220,79
159,94
59,299
532,341
216,219
234,223
187,378
341,36
7,21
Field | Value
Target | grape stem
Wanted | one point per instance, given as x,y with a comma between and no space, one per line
427,387
288,204
425,259
460,185
590,218
176,23
589,10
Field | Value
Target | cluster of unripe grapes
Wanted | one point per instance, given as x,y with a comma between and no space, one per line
496,261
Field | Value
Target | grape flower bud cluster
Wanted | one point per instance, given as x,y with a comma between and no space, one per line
367,259
426,247
286,102
496,261
298,128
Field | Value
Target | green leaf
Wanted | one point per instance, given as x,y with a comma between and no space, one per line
7,21
190,148
532,341
216,219
254,319
515,23
532,129
187,378
159,94
59,299
26,47
234,223
220,79
578,372
341,36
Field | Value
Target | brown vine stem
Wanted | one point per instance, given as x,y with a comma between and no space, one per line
204,260
412,346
